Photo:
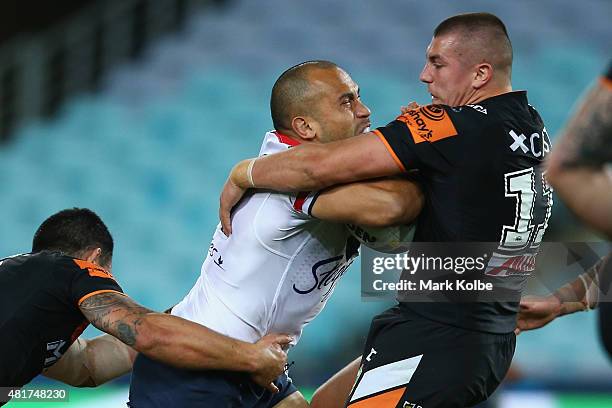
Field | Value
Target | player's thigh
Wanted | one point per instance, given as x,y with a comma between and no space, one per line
334,392
294,400
410,361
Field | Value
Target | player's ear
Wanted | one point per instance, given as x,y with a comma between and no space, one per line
482,75
303,127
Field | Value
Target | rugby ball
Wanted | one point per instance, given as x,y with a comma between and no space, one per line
384,239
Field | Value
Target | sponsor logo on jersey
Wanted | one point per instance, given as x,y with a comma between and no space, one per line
428,123
479,108
537,145
324,276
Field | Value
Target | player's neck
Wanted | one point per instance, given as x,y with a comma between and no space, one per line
489,92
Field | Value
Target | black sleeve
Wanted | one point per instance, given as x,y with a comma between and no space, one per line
422,138
609,72
89,279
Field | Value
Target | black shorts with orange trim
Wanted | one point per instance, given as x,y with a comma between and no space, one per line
413,362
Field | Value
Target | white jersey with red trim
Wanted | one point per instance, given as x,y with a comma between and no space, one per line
277,269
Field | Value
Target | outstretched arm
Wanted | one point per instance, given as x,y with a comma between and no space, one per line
309,167
181,343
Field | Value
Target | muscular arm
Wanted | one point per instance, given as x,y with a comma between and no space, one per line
309,167
174,340
576,165
373,203
316,166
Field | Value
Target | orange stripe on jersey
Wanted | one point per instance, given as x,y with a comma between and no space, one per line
607,82
93,269
388,146
428,123
97,292
387,399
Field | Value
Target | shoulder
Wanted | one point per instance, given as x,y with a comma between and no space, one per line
431,123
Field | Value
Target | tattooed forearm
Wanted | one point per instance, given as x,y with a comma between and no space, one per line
115,314
588,136
126,334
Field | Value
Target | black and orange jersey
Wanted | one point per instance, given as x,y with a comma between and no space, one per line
40,295
608,76
479,166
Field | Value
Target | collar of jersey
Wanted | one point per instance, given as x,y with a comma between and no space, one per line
288,140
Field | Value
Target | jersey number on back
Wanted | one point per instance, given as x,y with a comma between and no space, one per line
523,186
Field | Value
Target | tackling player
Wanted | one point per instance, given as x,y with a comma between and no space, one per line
49,296
478,148
280,265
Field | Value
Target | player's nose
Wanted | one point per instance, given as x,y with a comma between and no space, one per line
361,110
425,75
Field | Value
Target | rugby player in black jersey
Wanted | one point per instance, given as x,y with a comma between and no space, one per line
49,296
478,151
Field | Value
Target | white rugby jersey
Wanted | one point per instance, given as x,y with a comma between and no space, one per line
277,269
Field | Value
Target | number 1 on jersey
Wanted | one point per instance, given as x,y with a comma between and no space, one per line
521,185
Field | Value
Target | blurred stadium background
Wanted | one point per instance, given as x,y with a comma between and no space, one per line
139,108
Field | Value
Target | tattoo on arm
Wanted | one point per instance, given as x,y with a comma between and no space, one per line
115,314
589,132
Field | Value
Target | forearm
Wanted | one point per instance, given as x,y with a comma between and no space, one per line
315,166
292,170
166,338
374,203
188,345
583,293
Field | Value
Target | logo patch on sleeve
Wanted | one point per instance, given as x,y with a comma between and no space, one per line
428,123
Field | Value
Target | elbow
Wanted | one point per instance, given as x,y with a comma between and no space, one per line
399,210
396,213
149,338
387,211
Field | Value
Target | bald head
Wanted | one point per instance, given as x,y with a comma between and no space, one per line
293,92
481,37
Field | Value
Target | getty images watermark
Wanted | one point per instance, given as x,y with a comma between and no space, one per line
474,272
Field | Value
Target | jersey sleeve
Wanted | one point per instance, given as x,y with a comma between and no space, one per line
303,202
421,138
90,279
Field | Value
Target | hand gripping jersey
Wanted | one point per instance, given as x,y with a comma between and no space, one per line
480,168
40,318
277,269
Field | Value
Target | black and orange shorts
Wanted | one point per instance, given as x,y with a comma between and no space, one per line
413,362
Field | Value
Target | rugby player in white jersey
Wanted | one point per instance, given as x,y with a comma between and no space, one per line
286,252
